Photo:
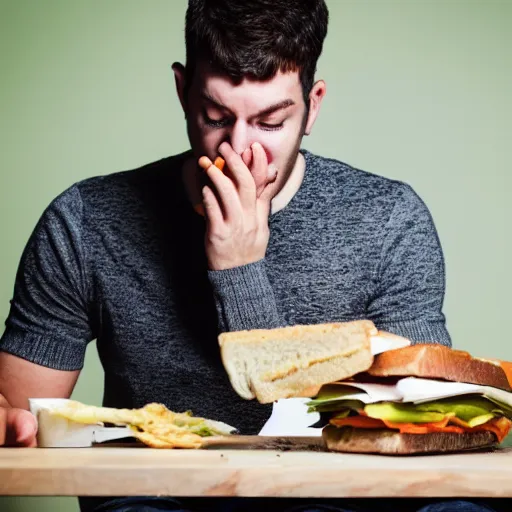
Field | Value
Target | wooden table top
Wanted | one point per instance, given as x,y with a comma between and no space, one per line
125,471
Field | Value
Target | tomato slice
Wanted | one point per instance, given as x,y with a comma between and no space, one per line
500,427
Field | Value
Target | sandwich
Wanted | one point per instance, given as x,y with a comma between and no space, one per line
295,361
419,399
373,391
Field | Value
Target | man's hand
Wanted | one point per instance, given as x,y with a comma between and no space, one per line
18,427
237,208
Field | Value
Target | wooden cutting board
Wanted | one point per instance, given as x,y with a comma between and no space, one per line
112,471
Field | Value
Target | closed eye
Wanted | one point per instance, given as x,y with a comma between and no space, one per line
226,121
216,123
271,127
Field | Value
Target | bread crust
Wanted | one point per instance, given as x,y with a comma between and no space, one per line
392,442
434,361
292,332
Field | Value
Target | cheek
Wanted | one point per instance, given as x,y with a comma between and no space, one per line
205,142
270,153
211,140
277,146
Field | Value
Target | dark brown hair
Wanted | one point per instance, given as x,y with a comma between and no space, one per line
256,38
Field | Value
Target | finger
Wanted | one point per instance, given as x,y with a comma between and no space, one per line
259,167
4,402
247,157
21,428
204,162
212,208
268,192
263,209
226,191
240,173
271,173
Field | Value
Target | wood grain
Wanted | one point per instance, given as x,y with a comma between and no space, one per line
143,471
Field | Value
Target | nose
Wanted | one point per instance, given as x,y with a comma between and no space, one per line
239,137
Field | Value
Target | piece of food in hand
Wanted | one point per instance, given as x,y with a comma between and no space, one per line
219,163
154,424
460,422
205,163
286,362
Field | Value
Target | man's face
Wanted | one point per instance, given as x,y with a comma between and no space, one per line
272,113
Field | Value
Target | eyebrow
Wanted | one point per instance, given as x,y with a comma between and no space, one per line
265,112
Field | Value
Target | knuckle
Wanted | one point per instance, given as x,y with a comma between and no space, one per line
218,234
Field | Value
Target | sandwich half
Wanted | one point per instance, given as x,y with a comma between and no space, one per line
476,415
272,364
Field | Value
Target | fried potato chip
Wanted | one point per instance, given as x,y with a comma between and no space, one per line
154,424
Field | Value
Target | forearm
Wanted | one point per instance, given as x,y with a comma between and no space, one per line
21,380
420,330
244,298
18,427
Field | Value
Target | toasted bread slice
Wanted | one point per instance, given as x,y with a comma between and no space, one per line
439,362
392,442
271,364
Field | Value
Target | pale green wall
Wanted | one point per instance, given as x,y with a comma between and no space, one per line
417,90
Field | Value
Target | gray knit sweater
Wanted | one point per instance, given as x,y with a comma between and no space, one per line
120,259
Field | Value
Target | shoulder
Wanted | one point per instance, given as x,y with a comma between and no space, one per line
121,186
351,181
105,198
354,189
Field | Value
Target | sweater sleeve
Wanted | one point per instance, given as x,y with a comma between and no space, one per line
244,298
48,321
410,286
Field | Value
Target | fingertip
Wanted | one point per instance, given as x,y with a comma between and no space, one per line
247,156
26,428
259,154
223,148
204,162
32,443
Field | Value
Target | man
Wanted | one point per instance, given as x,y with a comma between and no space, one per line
154,262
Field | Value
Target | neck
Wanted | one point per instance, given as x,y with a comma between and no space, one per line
291,185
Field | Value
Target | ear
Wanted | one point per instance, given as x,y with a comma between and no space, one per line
315,100
179,77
